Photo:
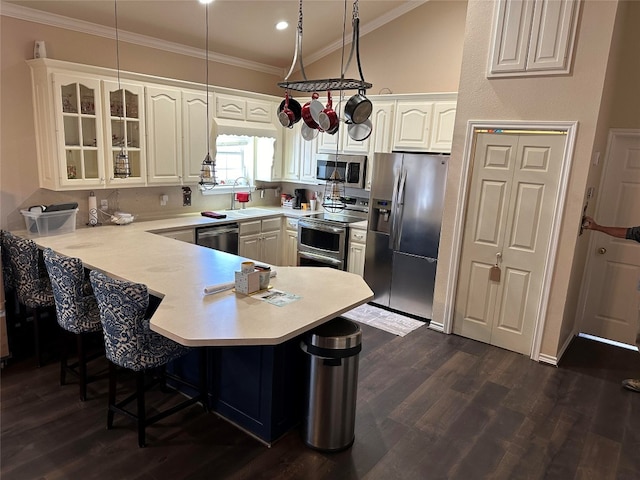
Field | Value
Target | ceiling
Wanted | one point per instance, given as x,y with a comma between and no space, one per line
243,29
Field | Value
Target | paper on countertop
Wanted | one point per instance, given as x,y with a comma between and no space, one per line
276,297
220,287
223,287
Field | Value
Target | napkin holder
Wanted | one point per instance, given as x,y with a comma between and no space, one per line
247,283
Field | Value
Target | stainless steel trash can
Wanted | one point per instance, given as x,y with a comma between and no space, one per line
332,383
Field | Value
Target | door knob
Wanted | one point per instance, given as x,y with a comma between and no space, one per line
602,250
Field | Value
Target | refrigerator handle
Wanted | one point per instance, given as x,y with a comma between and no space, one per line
397,211
394,208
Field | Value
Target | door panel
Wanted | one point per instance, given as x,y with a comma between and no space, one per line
412,278
422,204
611,299
478,304
483,234
513,194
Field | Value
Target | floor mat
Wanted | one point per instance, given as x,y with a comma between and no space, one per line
383,319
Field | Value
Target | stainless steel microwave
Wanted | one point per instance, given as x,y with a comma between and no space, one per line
351,168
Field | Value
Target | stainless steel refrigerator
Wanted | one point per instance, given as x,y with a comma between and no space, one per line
405,214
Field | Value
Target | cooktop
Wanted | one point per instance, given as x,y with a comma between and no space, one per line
356,210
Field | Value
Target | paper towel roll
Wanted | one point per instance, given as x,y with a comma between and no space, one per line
93,210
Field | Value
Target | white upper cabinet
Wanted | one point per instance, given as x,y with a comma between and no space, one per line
194,138
81,121
412,125
444,117
533,37
380,140
124,108
79,127
164,135
235,107
300,156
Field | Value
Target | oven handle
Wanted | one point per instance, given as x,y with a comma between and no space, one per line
318,226
320,258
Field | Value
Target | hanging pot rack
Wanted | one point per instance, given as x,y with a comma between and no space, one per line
326,84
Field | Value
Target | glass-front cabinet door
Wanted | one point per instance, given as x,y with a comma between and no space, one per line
80,144
124,127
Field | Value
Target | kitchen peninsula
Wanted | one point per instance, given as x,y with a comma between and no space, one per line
255,361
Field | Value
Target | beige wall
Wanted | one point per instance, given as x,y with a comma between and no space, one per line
418,52
575,97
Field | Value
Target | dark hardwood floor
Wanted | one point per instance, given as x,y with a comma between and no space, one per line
430,406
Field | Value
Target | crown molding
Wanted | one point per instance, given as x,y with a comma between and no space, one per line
59,21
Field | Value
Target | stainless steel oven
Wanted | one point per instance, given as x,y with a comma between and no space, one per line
321,243
323,238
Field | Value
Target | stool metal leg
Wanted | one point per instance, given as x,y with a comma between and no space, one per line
112,395
142,419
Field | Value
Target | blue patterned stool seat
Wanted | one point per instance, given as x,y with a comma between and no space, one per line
31,280
77,311
130,343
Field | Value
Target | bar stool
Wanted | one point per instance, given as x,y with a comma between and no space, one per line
131,344
32,283
77,313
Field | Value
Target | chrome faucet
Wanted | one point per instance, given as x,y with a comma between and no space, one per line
233,190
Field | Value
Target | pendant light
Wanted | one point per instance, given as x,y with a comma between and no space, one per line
208,178
121,166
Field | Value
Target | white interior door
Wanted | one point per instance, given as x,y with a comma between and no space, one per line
610,306
512,200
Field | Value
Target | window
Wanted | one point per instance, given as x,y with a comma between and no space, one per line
240,156
234,158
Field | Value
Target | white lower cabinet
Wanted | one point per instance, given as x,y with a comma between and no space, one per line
260,240
357,247
290,253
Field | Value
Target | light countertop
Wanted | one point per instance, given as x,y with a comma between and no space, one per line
178,272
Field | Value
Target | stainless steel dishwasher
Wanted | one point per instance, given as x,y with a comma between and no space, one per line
219,237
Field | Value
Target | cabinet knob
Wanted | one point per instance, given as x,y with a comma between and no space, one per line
602,250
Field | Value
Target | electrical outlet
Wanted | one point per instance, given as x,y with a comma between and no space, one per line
104,204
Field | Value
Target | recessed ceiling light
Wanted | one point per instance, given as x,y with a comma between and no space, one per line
282,25
204,2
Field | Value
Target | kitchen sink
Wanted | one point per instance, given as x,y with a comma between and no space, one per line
251,211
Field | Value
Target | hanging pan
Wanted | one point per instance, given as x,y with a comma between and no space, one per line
308,133
360,131
311,111
289,112
328,118
358,108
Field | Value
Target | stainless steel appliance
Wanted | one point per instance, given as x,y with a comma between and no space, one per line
299,197
407,196
323,237
222,237
352,168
